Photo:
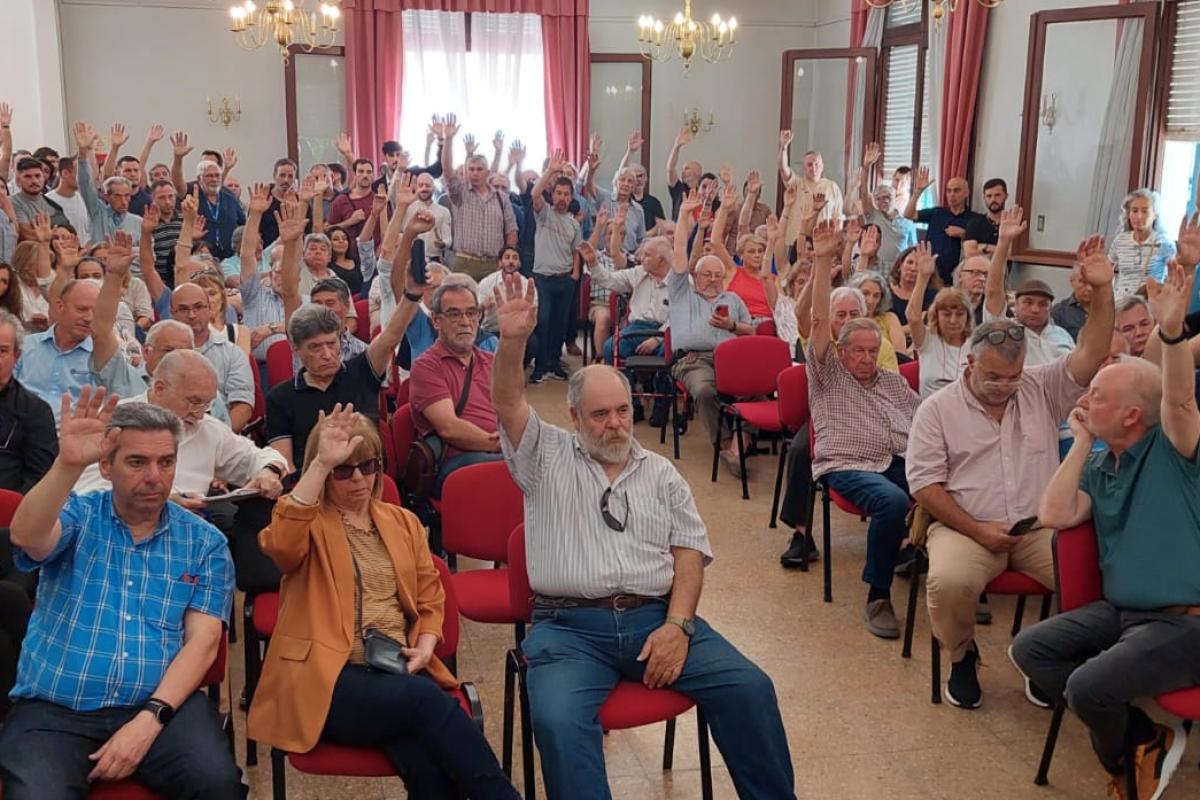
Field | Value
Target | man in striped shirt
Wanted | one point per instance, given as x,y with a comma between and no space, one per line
616,557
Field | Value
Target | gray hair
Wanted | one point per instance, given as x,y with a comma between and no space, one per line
1137,194
311,320
1009,350
179,362
205,164
885,294
239,233
145,417
1145,391
8,318
114,180
1131,301
859,324
440,269
320,238
577,379
454,282
849,291
477,157
158,328
335,285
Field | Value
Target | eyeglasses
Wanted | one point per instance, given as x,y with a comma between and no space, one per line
611,521
997,336
458,315
344,472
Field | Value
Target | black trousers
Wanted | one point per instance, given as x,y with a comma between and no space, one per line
15,608
793,510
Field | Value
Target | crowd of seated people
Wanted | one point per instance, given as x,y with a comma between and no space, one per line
141,315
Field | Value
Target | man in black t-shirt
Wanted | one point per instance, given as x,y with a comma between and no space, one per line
984,230
679,184
947,225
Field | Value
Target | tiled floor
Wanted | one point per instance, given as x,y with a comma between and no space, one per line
858,717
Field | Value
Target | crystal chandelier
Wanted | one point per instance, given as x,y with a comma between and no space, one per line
938,10
712,41
285,22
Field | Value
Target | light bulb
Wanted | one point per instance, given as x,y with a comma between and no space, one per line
658,26
716,20
732,24
250,7
722,29
678,18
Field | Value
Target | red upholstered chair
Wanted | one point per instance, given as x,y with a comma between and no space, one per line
391,493
258,416
766,328
370,762
911,372
792,396
9,500
630,705
279,363
1077,573
402,392
749,367
362,310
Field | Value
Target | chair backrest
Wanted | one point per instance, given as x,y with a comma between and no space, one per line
793,397
216,670
911,372
480,506
403,431
766,328
748,366
279,363
450,621
391,493
402,393
585,296
9,500
520,593
260,397
362,309
1077,567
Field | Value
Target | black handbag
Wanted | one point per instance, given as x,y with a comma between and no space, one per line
380,651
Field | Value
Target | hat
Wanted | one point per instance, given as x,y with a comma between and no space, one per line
1034,286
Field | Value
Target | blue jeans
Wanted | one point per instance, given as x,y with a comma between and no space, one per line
555,295
44,752
884,498
633,335
577,655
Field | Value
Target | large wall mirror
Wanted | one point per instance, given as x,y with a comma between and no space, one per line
1087,94
315,103
620,105
817,85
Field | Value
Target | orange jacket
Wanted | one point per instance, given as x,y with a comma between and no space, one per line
312,638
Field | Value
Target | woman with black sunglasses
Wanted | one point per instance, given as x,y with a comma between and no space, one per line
358,582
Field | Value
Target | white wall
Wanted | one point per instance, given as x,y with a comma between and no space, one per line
30,60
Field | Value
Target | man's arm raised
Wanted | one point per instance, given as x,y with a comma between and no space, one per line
116,267
825,243
516,315
1096,337
683,229
1169,302
1012,225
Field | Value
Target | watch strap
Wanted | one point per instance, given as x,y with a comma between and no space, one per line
416,298
1183,335
157,707
686,625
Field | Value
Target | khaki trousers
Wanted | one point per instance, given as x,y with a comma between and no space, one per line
478,268
960,568
695,372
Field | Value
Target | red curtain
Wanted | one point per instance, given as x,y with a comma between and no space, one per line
966,32
375,60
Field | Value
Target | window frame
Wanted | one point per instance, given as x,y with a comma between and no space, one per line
289,90
914,33
647,88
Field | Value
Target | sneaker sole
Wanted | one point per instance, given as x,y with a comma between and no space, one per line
1029,695
950,699
1172,759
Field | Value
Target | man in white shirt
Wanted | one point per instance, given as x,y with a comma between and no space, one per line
67,195
808,186
438,240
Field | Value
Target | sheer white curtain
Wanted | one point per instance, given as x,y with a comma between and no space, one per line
497,85
1110,181
872,37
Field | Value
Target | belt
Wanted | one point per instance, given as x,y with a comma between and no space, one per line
472,256
617,602
1188,611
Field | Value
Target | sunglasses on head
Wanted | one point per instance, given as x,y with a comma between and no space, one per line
997,336
344,472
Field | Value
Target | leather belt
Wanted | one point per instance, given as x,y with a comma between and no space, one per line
1188,611
616,602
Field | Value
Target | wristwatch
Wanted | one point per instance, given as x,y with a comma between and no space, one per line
1183,335
276,469
688,626
163,712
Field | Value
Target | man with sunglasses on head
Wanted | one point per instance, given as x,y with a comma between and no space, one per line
981,451
616,556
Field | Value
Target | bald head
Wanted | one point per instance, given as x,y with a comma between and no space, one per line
709,276
186,384
1134,383
190,305
594,381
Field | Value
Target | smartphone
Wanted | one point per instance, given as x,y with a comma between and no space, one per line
1023,526
416,265
722,311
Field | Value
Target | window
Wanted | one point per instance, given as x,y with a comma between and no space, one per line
900,107
905,12
315,103
1181,150
904,132
484,68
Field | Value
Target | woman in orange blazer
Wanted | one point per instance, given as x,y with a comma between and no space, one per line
352,563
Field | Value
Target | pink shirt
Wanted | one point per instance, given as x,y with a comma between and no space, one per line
752,292
438,375
996,471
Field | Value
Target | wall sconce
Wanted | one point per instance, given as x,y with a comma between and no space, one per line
696,123
1049,112
226,114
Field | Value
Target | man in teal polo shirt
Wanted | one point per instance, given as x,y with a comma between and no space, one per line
1143,638
59,361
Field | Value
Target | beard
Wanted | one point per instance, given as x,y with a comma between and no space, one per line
612,447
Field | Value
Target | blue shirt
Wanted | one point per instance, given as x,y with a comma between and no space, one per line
421,336
109,614
946,248
50,373
221,218
104,220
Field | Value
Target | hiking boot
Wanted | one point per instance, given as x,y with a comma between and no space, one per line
962,690
881,619
1032,693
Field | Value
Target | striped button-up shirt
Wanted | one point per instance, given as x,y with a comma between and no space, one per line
1135,262
857,427
109,615
647,294
571,551
479,222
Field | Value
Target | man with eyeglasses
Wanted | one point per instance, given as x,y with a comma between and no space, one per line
981,451
190,305
971,276
616,556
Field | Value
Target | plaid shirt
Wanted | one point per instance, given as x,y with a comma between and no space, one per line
109,615
857,427
479,222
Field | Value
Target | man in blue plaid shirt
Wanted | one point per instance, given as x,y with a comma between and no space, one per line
133,594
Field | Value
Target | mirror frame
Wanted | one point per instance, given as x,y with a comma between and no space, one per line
289,91
647,75
1139,171
788,84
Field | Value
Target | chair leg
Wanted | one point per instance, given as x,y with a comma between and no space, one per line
716,458
911,614
1131,789
509,679
783,448
527,763
669,745
741,448
827,556
1019,616
935,674
252,657
1047,601
1043,773
706,788
278,778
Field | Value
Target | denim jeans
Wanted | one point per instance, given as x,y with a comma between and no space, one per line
44,751
633,335
1101,659
435,747
883,496
577,655
554,297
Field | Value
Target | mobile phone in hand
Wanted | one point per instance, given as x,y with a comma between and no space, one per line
722,311
416,264
1023,526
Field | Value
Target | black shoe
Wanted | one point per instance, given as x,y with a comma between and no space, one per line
559,374
962,690
1032,693
537,377
799,553
905,560
660,413
639,413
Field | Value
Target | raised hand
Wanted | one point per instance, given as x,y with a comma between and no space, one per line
291,220
926,261
342,143
84,136
593,161
1094,265
498,141
421,222
516,311
179,144
635,141
336,444
5,114
619,216
871,154
690,202
554,165
754,182
1170,299
120,254
403,191
596,144
587,253
772,227
308,189
853,228
117,136
1012,223
229,156
1188,243
42,231
684,136
68,254
150,219
790,193
260,198
516,153
818,202
868,244
470,144
155,134
729,195
785,139
379,202
199,227
825,238
82,439
190,207
450,125
924,180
